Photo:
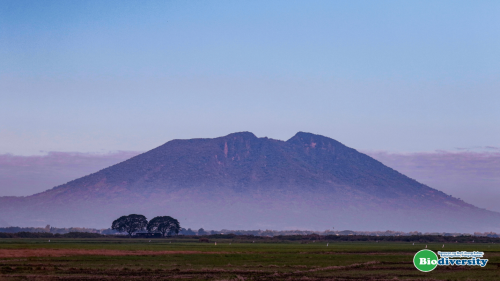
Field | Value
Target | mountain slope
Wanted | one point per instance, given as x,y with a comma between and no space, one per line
241,181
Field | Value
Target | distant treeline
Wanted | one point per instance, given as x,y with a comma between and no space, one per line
55,230
256,233
49,235
272,233
313,238
305,239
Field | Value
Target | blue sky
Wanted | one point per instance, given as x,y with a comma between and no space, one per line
100,76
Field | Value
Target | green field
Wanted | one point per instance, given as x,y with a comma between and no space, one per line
231,260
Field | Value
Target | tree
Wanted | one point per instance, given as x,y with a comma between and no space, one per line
188,231
130,223
164,225
202,231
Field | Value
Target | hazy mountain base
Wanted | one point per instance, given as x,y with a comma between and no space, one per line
220,208
240,181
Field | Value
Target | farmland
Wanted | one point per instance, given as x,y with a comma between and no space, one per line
229,259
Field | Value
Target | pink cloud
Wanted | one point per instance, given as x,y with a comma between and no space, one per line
26,175
471,176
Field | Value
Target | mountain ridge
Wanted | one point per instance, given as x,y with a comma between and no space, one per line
239,175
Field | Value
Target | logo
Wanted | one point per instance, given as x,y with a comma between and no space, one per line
425,260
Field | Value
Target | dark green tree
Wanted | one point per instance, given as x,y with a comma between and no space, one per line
130,223
164,225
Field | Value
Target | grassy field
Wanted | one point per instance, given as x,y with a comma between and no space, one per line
172,259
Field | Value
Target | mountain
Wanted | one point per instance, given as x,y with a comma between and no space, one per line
240,181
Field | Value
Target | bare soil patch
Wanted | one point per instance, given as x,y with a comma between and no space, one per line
23,253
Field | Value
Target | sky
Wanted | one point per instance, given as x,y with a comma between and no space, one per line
115,77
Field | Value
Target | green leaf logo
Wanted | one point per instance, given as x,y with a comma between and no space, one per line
425,260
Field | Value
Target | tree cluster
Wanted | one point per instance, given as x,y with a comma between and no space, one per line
165,225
